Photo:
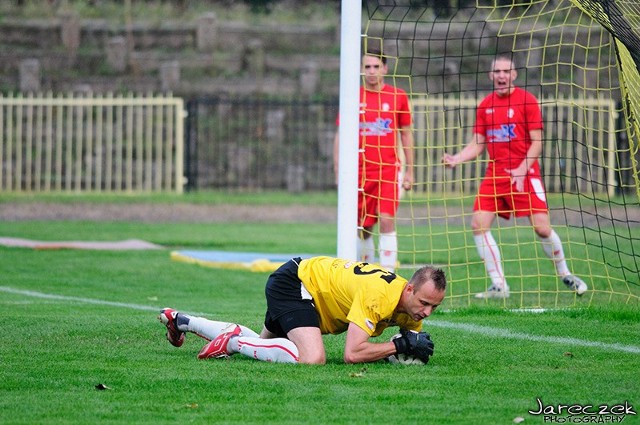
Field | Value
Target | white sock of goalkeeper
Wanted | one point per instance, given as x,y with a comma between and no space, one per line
209,329
552,246
366,250
490,254
275,350
388,247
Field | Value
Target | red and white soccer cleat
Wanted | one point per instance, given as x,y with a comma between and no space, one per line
169,317
217,347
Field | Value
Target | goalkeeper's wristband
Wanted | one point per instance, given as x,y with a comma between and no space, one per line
402,345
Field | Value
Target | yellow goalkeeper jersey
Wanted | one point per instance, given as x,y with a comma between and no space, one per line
349,291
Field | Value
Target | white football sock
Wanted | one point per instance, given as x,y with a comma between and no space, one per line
489,252
366,250
209,329
388,247
276,350
552,246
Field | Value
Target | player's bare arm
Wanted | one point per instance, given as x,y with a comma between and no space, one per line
473,149
406,138
358,348
336,154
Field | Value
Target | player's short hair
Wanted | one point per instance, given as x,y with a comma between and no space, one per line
504,56
429,273
376,53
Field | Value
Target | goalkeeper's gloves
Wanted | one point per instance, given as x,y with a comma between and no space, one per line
415,343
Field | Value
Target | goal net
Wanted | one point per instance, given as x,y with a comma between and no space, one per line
581,59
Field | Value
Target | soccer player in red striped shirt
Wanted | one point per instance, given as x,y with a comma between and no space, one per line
509,127
385,114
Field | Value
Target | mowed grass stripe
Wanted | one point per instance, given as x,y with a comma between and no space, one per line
467,327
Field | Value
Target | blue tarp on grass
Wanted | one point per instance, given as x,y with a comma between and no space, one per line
254,261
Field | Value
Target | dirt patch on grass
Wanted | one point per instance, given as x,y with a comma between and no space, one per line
197,213
159,213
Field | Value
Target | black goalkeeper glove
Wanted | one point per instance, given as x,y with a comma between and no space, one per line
418,344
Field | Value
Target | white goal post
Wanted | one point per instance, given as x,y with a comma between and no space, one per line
351,21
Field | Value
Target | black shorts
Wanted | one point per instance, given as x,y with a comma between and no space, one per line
288,305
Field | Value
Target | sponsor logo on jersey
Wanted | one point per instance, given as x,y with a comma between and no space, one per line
504,133
380,127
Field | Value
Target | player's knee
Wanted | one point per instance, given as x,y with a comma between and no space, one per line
267,334
312,358
308,341
387,227
478,228
542,231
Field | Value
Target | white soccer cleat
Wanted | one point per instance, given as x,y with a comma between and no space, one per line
494,291
575,283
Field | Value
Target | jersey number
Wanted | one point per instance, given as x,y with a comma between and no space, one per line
385,275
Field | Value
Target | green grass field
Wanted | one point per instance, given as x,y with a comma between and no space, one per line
74,319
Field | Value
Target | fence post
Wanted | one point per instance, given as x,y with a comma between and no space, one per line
70,34
169,75
117,53
309,78
30,75
295,178
207,32
255,58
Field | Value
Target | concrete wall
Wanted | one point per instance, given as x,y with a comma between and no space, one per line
210,56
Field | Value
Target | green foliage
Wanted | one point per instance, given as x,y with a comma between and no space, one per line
160,11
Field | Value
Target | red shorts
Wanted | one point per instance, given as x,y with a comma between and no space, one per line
498,195
379,196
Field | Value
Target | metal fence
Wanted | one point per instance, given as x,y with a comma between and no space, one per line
91,143
257,143
245,144
144,144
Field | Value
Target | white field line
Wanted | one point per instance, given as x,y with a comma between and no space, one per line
466,327
83,300
506,333
75,299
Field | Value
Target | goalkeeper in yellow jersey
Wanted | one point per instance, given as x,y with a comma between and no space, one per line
324,295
